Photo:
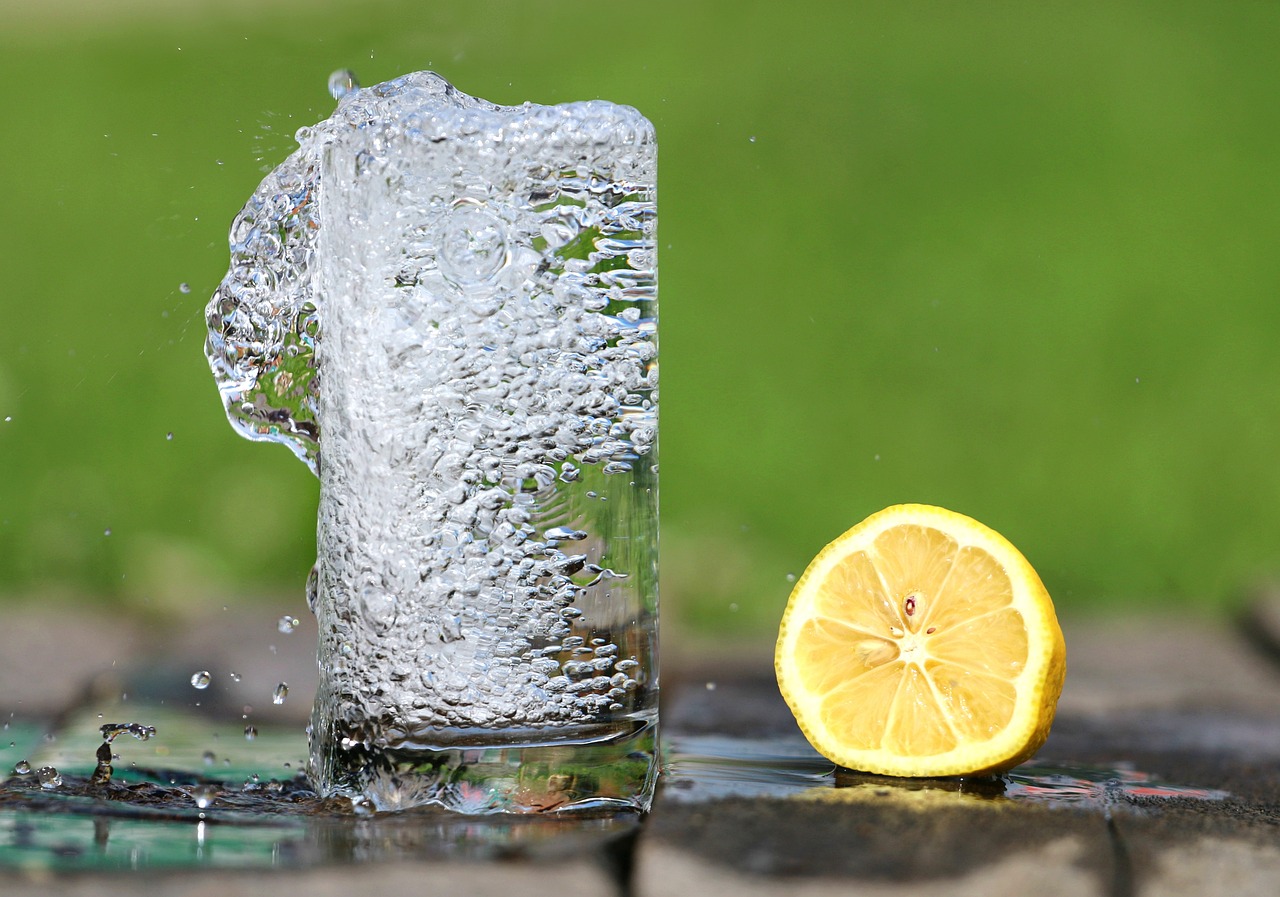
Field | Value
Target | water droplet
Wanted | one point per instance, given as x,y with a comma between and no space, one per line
137,730
281,692
711,686
49,777
22,767
184,287
201,679
204,795
287,624
752,138
168,437
107,531
342,82
250,733
209,758
791,577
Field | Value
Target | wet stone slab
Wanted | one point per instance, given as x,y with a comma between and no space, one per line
1161,776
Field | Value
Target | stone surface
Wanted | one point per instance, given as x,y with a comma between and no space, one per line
1161,777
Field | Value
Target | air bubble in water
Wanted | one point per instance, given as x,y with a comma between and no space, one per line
343,82
281,692
201,679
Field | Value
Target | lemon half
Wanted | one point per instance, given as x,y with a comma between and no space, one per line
921,643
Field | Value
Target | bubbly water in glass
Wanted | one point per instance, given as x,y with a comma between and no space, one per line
448,309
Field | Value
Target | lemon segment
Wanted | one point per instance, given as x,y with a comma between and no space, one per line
921,643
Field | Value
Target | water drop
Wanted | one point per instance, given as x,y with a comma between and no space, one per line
49,777
209,758
281,692
137,730
235,677
287,624
201,679
107,531
791,577
168,437
250,733
184,287
711,686
204,795
343,82
22,767
752,138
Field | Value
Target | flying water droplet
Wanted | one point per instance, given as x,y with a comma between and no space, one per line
201,679
281,692
204,795
343,82
137,730
184,287
250,733
287,624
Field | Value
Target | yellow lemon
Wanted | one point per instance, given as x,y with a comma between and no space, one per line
921,643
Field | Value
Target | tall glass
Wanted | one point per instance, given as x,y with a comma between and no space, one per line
486,582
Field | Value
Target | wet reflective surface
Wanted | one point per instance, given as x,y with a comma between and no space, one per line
192,797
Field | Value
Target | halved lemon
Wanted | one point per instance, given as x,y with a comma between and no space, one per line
921,643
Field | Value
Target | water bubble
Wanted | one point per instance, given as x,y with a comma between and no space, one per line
201,679
22,767
287,624
250,733
49,777
343,82
184,287
281,692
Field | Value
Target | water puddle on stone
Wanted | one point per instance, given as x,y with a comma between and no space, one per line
192,796
708,767
195,794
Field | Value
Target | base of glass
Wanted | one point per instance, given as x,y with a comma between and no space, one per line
616,772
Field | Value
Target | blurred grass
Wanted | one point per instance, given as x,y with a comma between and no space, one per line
1016,259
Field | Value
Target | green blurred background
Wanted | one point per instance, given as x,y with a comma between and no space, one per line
1018,259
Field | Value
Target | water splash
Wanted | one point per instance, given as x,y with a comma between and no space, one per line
263,320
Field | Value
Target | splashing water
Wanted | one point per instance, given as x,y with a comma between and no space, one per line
263,319
484,384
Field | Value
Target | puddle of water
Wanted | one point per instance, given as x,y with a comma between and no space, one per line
198,795
702,768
